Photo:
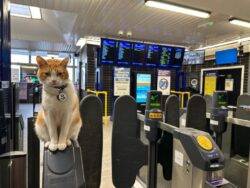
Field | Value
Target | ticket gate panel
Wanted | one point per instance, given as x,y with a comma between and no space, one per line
128,152
91,139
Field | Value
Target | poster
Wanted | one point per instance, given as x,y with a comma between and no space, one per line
210,84
121,81
229,84
164,82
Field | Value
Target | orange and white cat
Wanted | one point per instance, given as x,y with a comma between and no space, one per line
59,119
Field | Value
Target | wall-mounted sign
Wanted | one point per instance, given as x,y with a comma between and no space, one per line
164,82
229,84
210,84
121,81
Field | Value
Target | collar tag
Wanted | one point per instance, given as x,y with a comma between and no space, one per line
62,97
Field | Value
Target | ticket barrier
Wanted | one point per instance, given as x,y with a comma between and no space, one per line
197,160
79,165
219,112
236,144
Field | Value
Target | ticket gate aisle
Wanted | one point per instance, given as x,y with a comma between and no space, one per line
197,160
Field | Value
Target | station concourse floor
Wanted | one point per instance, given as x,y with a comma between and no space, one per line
106,182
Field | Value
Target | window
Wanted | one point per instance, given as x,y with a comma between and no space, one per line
19,56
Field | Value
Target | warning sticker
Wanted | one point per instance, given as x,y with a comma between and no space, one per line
178,157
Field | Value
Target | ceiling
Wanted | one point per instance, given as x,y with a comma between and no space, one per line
64,21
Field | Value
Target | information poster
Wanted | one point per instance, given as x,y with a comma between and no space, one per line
164,82
121,81
229,84
210,85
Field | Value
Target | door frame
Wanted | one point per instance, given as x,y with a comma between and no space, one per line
242,67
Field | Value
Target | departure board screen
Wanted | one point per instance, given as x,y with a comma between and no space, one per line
108,51
139,54
178,56
165,56
152,56
124,56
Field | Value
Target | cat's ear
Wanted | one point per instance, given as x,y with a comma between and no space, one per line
40,61
65,62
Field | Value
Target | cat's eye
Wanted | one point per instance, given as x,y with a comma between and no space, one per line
59,74
47,73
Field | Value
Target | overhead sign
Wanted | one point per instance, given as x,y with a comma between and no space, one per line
164,82
121,81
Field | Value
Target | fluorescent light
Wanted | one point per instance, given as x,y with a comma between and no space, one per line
225,43
239,22
177,8
35,12
81,42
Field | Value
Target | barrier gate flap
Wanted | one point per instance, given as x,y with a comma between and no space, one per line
165,156
91,139
196,113
128,152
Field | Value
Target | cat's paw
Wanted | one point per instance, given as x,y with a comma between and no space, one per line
46,145
69,143
62,146
52,147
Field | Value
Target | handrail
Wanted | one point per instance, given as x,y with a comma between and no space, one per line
105,93
181,94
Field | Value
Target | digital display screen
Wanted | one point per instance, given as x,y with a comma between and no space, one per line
124,53
226,56
155,101
165,56
194,58
143,85
222,100
152,56
178,57
139,54
108,51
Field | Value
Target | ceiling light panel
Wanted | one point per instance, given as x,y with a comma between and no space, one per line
20,10
239,22
177,8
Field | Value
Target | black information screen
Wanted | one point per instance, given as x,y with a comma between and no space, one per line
139,54
165,56
152,55
124,56
108,50
178,56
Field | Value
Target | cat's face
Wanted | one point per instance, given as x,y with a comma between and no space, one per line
52,72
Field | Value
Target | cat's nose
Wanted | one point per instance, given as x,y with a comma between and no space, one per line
53,81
